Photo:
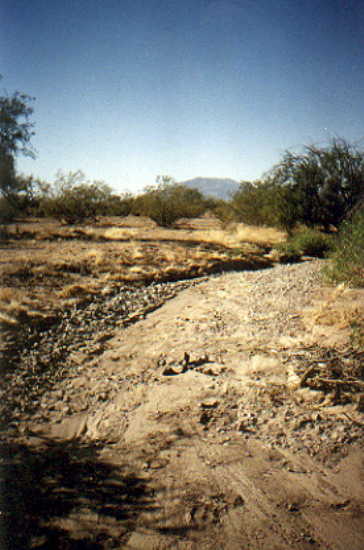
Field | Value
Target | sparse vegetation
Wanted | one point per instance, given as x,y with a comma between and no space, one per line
16,131
320,186
74,199
347,262
8,212
317,188
357,333
306,242
168,201
254,204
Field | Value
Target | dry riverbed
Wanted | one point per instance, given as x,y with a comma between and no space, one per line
204,414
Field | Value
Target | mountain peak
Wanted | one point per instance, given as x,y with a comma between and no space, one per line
219,188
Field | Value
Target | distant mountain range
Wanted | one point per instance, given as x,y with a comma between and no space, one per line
220,188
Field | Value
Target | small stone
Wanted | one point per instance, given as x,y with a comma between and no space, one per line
170,371
244,427
205,418
292,507
209,403
212,370
238,501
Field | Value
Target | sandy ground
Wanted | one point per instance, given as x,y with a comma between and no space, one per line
200,436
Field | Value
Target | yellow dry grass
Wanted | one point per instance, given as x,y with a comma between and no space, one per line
77,289
95,256
69,263
259,235
331,318
235,235
15,303
120,234
335,308
7,295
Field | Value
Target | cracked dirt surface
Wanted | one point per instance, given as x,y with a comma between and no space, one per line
192,431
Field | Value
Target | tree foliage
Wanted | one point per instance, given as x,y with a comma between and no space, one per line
74,199
256,203
168,201
16,131
347,263
321,185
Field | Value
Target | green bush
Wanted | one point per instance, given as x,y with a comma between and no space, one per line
223,211
311,242
8,211
347,260
288,252
255,204
321,185
119,205
74,199
167,201
308,242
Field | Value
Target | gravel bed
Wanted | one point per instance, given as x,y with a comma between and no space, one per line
39,363
35,357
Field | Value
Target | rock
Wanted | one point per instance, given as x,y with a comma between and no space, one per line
244,427
172,371
158,463
205,418
214,369
238,501
210,403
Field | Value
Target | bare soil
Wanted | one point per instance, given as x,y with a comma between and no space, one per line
213,422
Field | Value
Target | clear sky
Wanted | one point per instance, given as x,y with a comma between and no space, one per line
129,89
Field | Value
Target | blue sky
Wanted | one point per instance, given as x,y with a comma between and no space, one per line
129,89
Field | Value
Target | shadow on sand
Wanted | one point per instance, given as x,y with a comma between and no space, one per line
61,496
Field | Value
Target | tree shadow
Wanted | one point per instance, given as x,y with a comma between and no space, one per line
61,496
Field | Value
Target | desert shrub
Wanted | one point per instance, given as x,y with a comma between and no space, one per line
313,243
288,252
167,201
255,204
8,211
74,199
319,186
347,260
223,211
357,334
307,242
118,205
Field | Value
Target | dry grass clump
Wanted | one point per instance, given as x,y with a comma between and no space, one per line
259,235
336,308
335,315
233,236
95,257
69,263
120,234
10,305
8,295
16,304
78,290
